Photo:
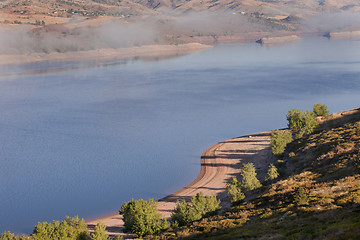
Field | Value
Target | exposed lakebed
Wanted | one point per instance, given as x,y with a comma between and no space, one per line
81,141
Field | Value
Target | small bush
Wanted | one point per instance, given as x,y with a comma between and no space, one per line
279,140
272,173
99,232
233,188
320,110
199,207
249,180
141,217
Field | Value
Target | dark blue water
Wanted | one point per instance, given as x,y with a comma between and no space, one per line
83,141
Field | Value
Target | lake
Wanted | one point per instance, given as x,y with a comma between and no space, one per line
82,141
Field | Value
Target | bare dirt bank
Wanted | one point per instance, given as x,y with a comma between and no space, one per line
347,35
281,39
106,54
219,163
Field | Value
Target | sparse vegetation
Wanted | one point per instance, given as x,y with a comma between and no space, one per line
199,207
317,198
141,217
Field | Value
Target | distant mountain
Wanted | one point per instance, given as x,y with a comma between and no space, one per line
63,8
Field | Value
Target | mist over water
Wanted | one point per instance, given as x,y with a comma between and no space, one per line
83,141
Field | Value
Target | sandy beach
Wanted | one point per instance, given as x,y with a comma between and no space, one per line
106,54
219,164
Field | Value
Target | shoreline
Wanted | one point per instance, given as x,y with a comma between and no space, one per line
219,163
106,54
147,52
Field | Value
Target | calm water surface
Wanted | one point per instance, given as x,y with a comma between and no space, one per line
83,141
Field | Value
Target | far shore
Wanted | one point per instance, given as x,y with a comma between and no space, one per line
153,51
106,54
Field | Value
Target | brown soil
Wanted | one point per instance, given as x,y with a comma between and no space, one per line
219,163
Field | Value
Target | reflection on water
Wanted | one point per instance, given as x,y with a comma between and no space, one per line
82,141
60,66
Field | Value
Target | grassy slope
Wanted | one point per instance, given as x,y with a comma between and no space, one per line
327,165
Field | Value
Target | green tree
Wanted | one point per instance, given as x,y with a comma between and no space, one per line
272,173
320,110
184,214
279,140
294,118
199,207
141,217
249,180
99,232
233,188
301,122
308,124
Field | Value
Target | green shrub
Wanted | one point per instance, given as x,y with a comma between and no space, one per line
199,207
249,180
10,236
272,173
7,236
294,118
279,140
320,110
233,188
70,228
141,217
99,232
301,122
308,122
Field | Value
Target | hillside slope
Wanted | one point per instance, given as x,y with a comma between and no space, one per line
59,11
317,197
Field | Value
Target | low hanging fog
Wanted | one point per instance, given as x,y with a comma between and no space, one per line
162,27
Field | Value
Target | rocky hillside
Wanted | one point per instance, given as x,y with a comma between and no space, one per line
316,197
59,10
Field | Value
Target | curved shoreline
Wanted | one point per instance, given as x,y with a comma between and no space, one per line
219,163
